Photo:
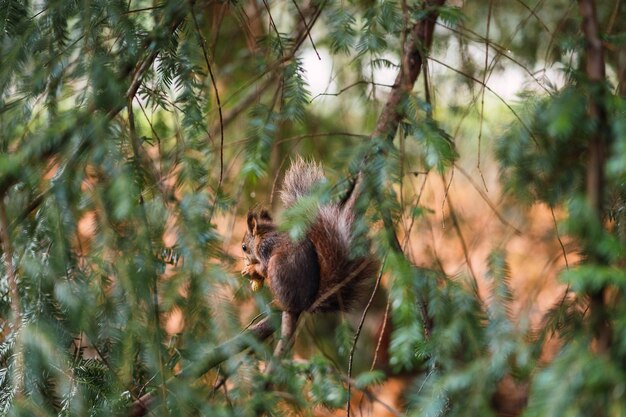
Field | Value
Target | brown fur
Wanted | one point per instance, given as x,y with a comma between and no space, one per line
317,273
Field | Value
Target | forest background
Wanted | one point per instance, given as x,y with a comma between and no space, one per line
136,134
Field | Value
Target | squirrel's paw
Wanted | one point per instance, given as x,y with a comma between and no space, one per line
256,280
248,270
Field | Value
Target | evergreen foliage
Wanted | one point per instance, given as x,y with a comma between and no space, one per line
134,133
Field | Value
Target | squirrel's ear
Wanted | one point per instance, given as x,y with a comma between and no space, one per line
252,221
265,215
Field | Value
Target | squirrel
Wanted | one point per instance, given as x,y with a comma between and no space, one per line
317,273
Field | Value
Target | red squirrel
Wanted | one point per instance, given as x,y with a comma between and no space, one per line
317,273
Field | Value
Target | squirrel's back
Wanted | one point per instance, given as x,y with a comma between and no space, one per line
344,279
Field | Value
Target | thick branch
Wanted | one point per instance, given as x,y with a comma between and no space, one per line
413,58
418,43
288,326
595,70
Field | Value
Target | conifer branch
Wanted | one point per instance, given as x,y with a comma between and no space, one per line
413,58
144,65
209,360
11,176
311,11
418,43
9,267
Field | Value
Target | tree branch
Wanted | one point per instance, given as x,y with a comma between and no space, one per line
419,42
209,360
413,58
595,70
10,173
9,267
311,11
357,334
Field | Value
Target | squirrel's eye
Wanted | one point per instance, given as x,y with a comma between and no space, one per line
244,247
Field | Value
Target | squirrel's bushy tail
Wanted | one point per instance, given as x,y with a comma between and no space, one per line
344,278
299,179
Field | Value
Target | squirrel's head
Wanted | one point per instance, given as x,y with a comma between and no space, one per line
259,223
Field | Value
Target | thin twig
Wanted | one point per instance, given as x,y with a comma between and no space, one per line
308,31
482,99
558,237
446,191
533,13
486,199
358,333
382,332
219,109
457,228
9,267
317,11
144,9
322,135
269,13
354,84
498,96
243,104
563,21
369,394
499,49
519,26
409,229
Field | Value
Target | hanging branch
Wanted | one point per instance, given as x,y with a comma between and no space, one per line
9,267
8,264
357,334
312,12
257,333
205,53
11,176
